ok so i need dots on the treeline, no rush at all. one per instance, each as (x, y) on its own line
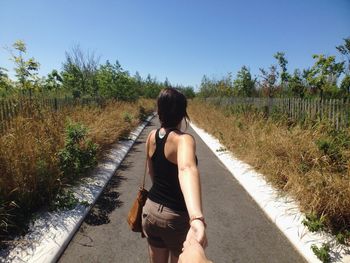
(327, 78)
(82, 76)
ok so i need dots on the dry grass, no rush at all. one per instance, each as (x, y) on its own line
(29, 172)
(288, 156)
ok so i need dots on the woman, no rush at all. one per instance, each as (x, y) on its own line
(173, 210)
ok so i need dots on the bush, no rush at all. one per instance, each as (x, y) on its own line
(79, 154)
(322, 253)
(314, 223)
(142, 113)
(334, 144)
(127, 117)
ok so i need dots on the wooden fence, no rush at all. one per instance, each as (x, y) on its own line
(11, 108)
(335, 111)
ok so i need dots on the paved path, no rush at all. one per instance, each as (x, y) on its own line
(238, 231)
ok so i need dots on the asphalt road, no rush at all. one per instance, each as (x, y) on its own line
(238, 230)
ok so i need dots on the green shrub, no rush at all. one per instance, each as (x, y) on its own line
(65, 200)
(314, 223)
(322, 253)
(343, 236)
(334, 145)
(79, 154)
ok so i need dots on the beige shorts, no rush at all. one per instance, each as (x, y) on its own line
(164, 227)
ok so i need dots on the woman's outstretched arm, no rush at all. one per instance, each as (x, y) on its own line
(191, 186)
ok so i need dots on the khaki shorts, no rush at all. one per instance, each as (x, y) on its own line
(164, 227)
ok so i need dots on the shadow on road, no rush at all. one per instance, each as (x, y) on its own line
(108, 201)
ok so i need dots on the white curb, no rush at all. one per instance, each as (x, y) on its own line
(50, 234)
(283, 211)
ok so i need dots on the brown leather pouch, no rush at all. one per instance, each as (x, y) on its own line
(135, 213)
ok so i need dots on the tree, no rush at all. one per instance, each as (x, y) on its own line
(206, 87)
(268, 84)
(345, 51)
(296, 85)
(139, 83)
(282, 62)
(224, 87)
(124, 86)
(167, 83)
(187, 91)
(114, 82)
(244, 85)
(345, 86)
(79, 72)
(106, 78)
(26, 69)
(4, 80)
(53, 81)
(284, 75)
(151, 88)
(324, 74)
(216, 88)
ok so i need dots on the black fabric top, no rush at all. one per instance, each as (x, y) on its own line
(166, 186)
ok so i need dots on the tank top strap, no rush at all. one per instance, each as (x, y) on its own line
(160, 142)
(167, 134)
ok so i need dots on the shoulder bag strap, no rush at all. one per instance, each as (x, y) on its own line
(146, 161)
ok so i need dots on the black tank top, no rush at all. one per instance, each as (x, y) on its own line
(166, 187)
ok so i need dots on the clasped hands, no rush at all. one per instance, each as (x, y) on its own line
(193, 247)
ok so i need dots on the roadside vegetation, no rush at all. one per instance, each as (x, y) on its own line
(54, 129)
(306, 158)
(42, 155)
(310, 161)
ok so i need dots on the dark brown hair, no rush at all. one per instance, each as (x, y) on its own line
(172, 106)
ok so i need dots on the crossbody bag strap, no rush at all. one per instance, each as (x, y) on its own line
(146, 161)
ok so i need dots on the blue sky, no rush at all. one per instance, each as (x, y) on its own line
(181, 40)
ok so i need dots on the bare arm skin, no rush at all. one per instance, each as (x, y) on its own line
(148, 150)
(189, 175)
(191, 186)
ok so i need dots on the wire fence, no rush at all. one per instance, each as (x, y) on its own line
(336, 111)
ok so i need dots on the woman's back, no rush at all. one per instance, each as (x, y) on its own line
(166, 188)
(170, 146)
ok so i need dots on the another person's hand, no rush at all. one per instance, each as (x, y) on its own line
(193, 252)
(197, 231)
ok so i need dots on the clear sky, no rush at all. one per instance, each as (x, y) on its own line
(178, 39)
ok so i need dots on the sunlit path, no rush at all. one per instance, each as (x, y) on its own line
(238, 231)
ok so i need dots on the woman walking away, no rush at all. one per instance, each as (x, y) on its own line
(173, 211)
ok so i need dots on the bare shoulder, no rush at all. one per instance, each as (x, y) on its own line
(186, 138)
(151, 136)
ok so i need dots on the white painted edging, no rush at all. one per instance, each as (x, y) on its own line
(283, 211)
(51, 233)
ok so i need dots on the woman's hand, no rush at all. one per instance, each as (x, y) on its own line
(197, 232)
